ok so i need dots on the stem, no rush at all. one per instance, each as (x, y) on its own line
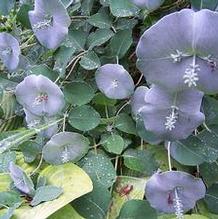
(122, 107)
(168, 153)
(139, 81)
(38, 167)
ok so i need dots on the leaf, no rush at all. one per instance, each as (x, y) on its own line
(5, 159)
(101, 20)
(136, 190)
(123, 8)
(22, 15)
(101, 99)
(100, 169)
(200, 4)
(137, 209)
(126, 23)
(125, 124)
(5, 182)
(84, 118)
(140, 160)
(78, 93)
(67, 212)
(74, 183)
(90, 61)
(197, 149)
(211, 198)
(6, 6)
(95, 204)
(99, 37)
(194, 216)
(113, 144)
(120, 43)
(9, 199)
(46, 193)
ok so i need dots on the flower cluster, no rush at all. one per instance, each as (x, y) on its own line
(41, 99)
(181, 68)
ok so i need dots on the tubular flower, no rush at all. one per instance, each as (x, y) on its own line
(186, 55)
(50, 22)
(114, 81)
(9, 51)
(40, 96)
(174, 192)
(172, 116)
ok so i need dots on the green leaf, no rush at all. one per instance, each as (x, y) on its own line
(46, 193)
(5, 159)
(90, 61)
(113, 144)
(76, 40)
(100, 169)
(99, 37)
(74, 182)
(101, 99)
(137, 209)
(140, 160)
(78, 93)
(5, 182)
(193, 216)
(125, 124)
(126, 23)
(101, 20)
(6, 6)
(84, 118)
(209, 172)
(135, 188)
(200, 4)
(87, 7)
(43, 70)
(120, 43)
(95, 204)
(211, 198)
(123, 8)
(67, 212)
(22, 15)
(9, 199)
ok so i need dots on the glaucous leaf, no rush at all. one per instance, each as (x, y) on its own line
(211, 198)
(5, 159)
(90, 61)
(113, 144)
(64, 147)
(114, 81)
(46, 193)
(166, 190)
(9, 199)
(50, 24)
(148, 4)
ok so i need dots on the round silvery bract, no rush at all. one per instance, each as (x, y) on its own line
(114, 81)
(9, 51)
(50, 22)
(65, 147)
(172, 116)
(148, 4)
(138, 100)
(161, 187)
(180, 51)
(33, 121)
(40, 96)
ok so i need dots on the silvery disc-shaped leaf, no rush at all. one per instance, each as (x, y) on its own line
(178, 51)
(172, 116)
(166, 191)
(138, 100)
(9, 51)
(40, 96)
(148, 4)
(33, 121)
(21, 180)
(50, 22)
(114, 81)
(64, 147)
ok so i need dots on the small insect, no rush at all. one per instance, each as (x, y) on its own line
(125, 190)
(212, 64)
